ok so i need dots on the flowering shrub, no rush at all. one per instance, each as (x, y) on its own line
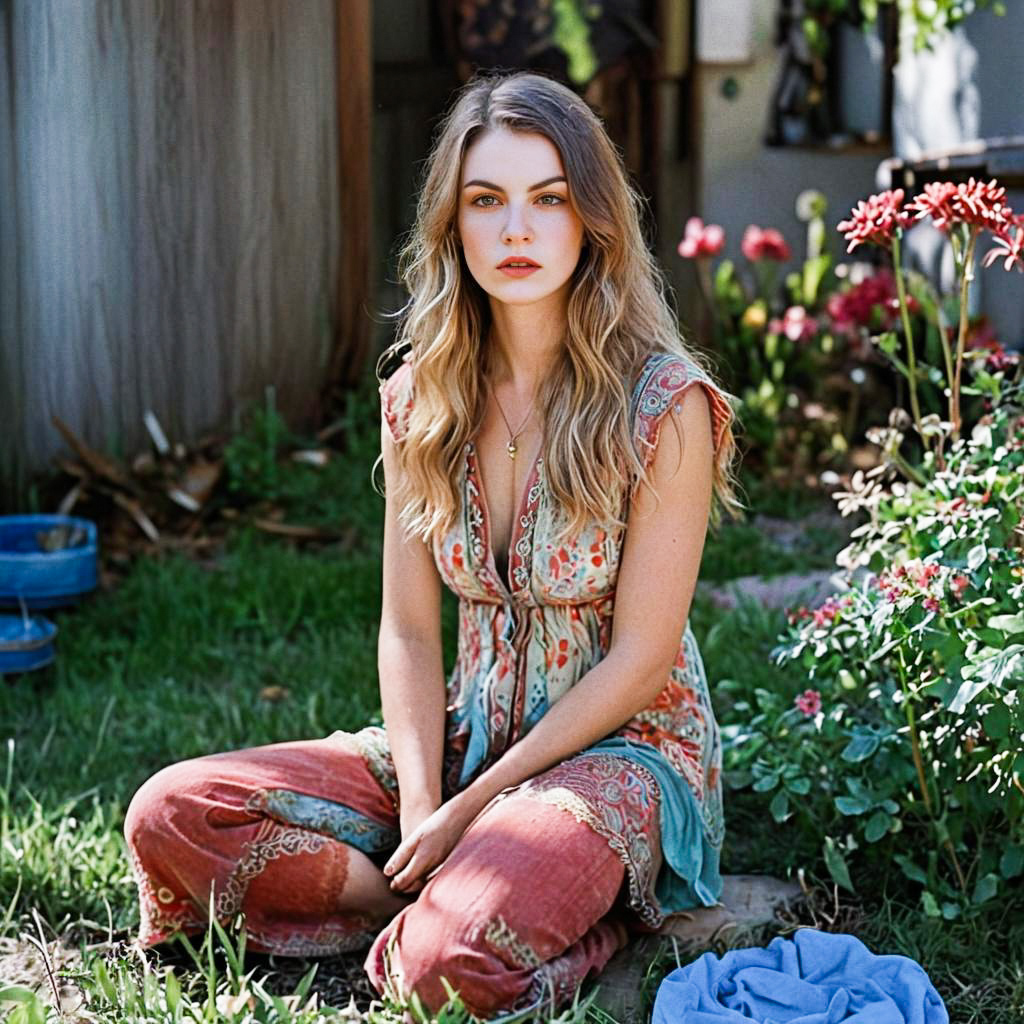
(964, 212)
(908, 749)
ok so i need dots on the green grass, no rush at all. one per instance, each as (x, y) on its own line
(174, 662)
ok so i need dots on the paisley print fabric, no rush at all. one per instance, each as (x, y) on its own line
(521, 649)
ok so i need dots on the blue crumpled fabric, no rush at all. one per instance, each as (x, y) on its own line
(813, 978)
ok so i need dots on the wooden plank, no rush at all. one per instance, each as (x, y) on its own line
(169, 180)
(355, 148)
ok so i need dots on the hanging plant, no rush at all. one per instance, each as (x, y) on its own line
(931, 19)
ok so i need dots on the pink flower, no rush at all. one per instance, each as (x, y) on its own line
(795, 324)
(958, 585)
(809, 702)
(764, 244)
(1009, 248)
(977, 203)
(936, 201)
(872, 304)
(700, 239)
(931, 603)
(828, 612)
(875, 220)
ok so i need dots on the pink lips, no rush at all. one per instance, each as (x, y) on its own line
(506, 266)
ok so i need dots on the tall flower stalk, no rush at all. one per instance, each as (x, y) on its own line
(962, 212)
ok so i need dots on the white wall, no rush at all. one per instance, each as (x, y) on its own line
(743, 181)
(971, 87)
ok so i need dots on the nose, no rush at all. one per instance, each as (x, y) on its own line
(516, 228)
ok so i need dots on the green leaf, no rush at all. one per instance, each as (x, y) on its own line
(950, 911)
(910, 869)
(1008, 623)
(985, 888)
(967, 691)
(766, 782)
(931, 906)
(800, 785)
(997, 721)
(173, 990)
(17, 994)
(860, 747)
(850, 805)
(1012, 862)
(836, 864)
(878, 825)
(779, 807)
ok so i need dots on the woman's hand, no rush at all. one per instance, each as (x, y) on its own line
(414, 813)
(425, 848)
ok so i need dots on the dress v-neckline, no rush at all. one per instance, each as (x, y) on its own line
(531, 477)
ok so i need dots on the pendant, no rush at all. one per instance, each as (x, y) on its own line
(511, 446)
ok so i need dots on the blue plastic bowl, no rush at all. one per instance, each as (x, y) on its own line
(40, 578)
(25, 645)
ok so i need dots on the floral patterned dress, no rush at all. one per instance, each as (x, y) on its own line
(520, 648)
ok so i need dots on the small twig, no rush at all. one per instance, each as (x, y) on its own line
(40, 944)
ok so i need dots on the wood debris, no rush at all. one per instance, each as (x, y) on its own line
(171, 497)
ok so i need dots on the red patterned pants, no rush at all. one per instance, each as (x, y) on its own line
(525, 907)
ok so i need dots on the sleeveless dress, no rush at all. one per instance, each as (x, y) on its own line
(519, 650)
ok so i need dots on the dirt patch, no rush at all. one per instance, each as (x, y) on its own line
(22, 964)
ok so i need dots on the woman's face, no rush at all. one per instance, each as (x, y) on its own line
(514, 206)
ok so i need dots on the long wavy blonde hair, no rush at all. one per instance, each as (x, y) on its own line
(618, 315)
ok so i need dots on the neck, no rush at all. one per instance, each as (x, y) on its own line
(525, 343)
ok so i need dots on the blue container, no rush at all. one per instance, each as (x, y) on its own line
(25, 644)
(40, 578)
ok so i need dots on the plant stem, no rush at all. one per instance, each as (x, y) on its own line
(915, 745)
(961, 339)
(901, 291)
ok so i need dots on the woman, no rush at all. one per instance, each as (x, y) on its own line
(507, 824)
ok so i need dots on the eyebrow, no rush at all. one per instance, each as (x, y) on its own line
(498, 188)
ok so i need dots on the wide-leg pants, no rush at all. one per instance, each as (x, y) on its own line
(525, 907)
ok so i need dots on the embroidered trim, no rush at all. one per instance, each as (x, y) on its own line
(371, 743)
(326, 941)
(334, 819)
(605, 810)
(272, 841)
(502, 939)
(156, 920)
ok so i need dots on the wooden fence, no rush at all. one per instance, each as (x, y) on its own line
(169, 220)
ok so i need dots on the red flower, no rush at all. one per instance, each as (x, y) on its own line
(875, 220)
(764, 244)
(958, 585)
(809, 702)
(1009, 248)
(871, 304)
(797, 615)
(700, 239)
(931, 603)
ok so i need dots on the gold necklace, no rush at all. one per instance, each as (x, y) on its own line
(511, 447)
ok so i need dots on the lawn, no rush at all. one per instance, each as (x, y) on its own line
(263, 640)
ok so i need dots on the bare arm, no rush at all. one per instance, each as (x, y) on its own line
(409, 661)
(655, 585)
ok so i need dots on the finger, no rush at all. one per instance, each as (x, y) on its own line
(413, 873)
(401, 856)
